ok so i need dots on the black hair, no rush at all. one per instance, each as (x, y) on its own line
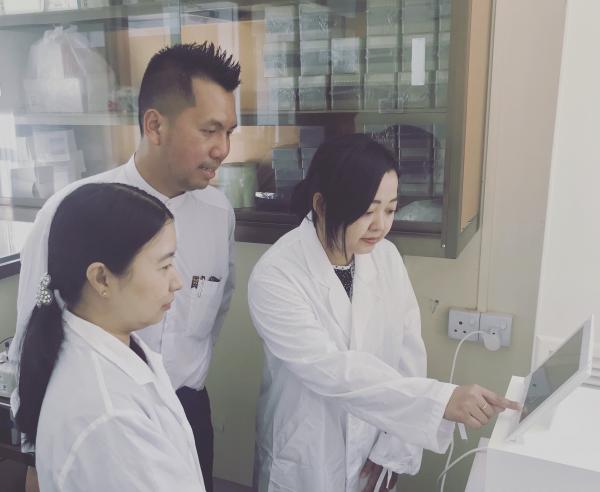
(98, 222)
(167, 81)
(347, 171)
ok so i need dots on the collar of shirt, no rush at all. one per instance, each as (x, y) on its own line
(135, 178)
(111, 348)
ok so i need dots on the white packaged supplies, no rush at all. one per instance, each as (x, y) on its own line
(66, 75)
(54, 145)
(22, 6)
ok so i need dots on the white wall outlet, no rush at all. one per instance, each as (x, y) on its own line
(462, 322)
(497, 323)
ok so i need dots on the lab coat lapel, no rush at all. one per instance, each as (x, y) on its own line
(340, 308)
(167, 395)
(163, 383)
(365, 297)
(328, 283)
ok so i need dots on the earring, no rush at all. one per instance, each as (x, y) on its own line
(104, 293)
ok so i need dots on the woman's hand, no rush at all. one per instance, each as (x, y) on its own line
(475, 406)
(371, 471)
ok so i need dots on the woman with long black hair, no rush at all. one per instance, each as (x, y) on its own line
(345, 403)
(94, 400)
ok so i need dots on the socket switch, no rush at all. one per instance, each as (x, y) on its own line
(462, 322)
(497, 323)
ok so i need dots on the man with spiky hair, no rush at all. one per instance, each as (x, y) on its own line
(186, 117)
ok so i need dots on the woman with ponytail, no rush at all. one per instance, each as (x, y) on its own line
(94, 400)
(345, 404)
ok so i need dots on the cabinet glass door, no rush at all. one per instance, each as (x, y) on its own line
(68, 95)
(315, 70)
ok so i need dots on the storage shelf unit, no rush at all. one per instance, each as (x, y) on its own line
(127, 35)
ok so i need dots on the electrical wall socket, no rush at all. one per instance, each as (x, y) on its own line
(461, 322)
(497, 323)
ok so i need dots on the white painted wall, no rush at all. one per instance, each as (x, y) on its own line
(570, 276)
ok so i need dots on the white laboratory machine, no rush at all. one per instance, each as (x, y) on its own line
(553, 444)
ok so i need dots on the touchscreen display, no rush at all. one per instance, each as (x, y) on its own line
(561, 365)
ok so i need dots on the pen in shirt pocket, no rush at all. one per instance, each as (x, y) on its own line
(199, 282)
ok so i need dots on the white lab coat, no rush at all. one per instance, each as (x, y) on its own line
(342, 381)
(111, 422)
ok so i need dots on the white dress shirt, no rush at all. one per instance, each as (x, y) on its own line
(204, 222)
(110, 421)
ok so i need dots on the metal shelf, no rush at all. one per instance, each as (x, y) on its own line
(84, 15)
(287, 118)
(76, 119)
(290, 118)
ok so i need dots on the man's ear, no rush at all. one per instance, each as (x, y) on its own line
(154, 125)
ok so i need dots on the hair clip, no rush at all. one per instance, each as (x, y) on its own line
(44, 296)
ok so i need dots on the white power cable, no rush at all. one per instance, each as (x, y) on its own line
(451, 450)
(461, 457)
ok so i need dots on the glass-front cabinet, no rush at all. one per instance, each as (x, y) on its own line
(411, 73)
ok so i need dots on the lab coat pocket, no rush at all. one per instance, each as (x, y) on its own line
(295, 441)
(204, 305)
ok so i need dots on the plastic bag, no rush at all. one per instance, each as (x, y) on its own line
(65, 74)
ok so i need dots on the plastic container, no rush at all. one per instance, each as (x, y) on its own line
(441, 89)
(22, 6)
(317, 22)
(416, 172)
(380, 91)
(346, 55)
(307, 154)
(286, 157)
(416, 178)
(385, 135)
(444, 15)
(238, 181)
(415, 148)
(283, 174)
(438, 170)
(383, 17)
(415, 142)
(281, 60)
(283, 93)
(419, 18)
(382, 54)
(421, 211)
(443, 52)
(409, 55)
(313, 92)
(346, 92)
(412, 96)
(315, 57)
(280, 24)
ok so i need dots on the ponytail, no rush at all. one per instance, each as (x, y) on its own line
(39, 353)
